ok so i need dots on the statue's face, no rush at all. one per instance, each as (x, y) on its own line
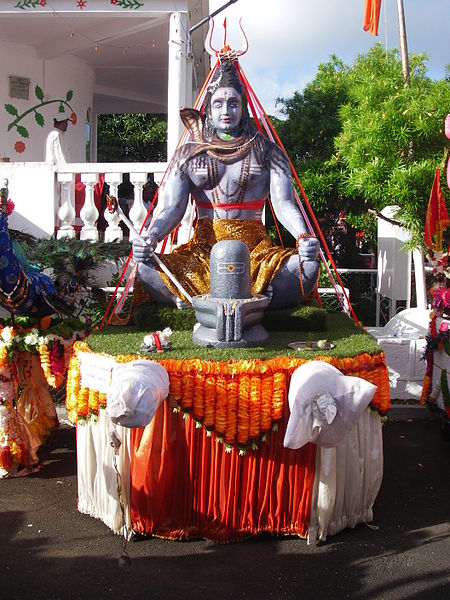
(226, 111)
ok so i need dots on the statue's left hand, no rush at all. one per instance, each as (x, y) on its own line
(308, 248)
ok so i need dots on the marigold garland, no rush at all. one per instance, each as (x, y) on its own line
(187, 399)
(243, 411)
(221, 406)
(53, 349)
(255, 408)
(46, 364)
(232, 411)
(3, 355)
(93, 402)
(210, 402)
(239, 400)
(12, 451)
(13, 436)
(266, 403)
(199, 393)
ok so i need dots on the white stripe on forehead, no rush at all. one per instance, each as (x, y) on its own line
(225, 93)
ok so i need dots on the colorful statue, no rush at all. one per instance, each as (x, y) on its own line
(23, 289)
(230, 169)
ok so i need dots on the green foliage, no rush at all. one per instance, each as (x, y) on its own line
(392, 136)
(361, 139)
(309, 132)
(72, 265)
(132, 138)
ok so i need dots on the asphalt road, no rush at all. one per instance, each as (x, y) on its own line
(48, 550)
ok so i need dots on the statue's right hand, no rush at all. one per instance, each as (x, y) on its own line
(143, 249)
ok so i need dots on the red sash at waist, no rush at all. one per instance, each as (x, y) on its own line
(247, 205)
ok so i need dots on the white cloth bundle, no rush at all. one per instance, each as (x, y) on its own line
(137, 389)
(324, 405)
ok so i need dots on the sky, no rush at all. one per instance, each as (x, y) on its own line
(288, 39)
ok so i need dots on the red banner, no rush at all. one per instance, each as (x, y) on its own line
(371, 16)
(437, 215)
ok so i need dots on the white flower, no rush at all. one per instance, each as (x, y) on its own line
(7, 336)
(32, 338)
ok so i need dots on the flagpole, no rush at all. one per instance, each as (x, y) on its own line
(403, 44)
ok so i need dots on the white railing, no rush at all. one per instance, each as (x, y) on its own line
(89, 213)
(44, 197)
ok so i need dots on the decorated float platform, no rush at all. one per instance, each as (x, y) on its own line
(212, 462)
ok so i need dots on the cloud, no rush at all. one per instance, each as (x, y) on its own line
(288, 39)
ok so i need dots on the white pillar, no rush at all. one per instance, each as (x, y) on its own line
(419, 275)
(66, 212)
(180, 81)
(176, 98)
(89, 212)
(138, 212)
(113, 232)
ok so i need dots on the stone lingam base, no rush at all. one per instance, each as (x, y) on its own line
(231, 323)
(230, 315)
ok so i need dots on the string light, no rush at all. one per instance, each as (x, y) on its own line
(72, 33)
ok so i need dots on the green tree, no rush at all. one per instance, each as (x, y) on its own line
(360, 139)
(392, 136)
(308, 133)
(132, 138)
(310, 128)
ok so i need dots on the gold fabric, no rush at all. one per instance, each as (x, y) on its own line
(190, 262)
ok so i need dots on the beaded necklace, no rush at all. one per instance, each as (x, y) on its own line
(218, 193)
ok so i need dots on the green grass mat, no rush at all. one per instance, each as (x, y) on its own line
(298, 325)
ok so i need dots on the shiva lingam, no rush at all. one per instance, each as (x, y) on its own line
(230, 315)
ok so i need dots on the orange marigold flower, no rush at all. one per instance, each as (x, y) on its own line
(19, 147)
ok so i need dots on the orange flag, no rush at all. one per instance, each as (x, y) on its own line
(437, 215)
(371, 16)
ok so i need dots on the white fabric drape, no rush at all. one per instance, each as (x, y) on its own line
(97, 480)
(347, 479)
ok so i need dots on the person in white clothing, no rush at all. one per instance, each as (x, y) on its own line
(56, 150)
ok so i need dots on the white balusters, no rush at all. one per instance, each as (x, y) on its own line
(113, 231)
(89, 212)
(138, 211)
(66, 212)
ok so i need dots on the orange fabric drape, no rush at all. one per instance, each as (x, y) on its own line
(185, 484)
(371, 16)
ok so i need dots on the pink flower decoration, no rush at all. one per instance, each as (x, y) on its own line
(9, 206)
(57, 358)
(444, 327)
(446, 296)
